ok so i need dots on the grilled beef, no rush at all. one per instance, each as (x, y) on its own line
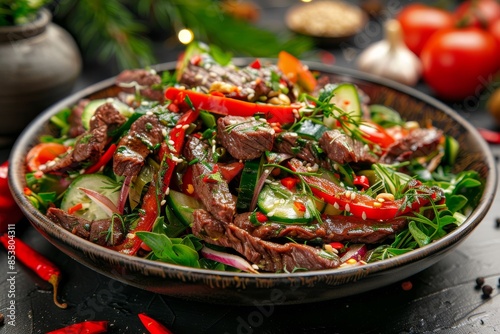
(211, 188)
(248, 84)
(418, 143)
(342, 149)
(144, 136)
(305, 149)
(102, 232)
(245, 137)
(146, 83)
(89, 146)
(269, 256)
(75, 119)
(333, 228)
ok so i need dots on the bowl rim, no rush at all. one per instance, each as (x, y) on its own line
(25, 141)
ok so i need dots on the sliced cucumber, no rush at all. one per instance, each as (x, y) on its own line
(249, 177)
(451, 148)
(92, 106)
(282, 205)
(91, 210)
(345, 97)
(310, 129)
(183, 206)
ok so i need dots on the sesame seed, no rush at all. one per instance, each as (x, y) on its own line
(164, 132)
(171, 142)
(149, 113)
(353, 196)
(336, 205)
(185, 126)
(178, 126)
(347, 207)
(162, 203)
(363, 215)
(167, 191)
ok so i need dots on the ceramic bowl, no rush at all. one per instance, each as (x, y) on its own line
(251, 289)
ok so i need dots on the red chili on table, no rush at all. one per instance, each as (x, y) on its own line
(85, 327)
(35, 261)
(9, 211)
(153, 326)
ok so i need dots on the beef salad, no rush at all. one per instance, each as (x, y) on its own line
(263, 168)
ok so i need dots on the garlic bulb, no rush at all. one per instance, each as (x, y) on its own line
(391, 58)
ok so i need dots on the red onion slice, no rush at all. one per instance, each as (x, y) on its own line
(229, 259)
(356, 252)
(102, 201)
(124, 193)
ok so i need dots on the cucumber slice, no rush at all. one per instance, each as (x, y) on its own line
(345, 97)
(249, 177)
(183, 206)
(92, 106)
(451, 148)
(97, 182)
(310, 129)
(282, 205)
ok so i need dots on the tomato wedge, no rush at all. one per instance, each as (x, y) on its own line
(296, 71)
(42, 153)
(375, 134)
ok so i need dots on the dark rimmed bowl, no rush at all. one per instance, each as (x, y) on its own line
(251, 289)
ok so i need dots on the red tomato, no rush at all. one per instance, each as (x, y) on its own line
(296, 71)
(419, 22)
(494, 30)
(375, 134)
(478, 13)
(42, 153)
(458, 63)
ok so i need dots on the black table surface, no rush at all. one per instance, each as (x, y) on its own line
(443, 298)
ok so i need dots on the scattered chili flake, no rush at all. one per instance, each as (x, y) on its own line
(480, 281)
(75, 208)
(406, 285)
(487, 290)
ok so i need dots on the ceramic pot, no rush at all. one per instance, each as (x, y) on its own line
(39, 63)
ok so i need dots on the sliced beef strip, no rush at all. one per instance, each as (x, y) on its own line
(107, 115)
(418, 143)
(216, 195)
(96, 231)
(145, 134)
(89, 146)
(75, 119)
(304, 149)
(334, 228)
(269, 256)
(343, 149)
(146, 82)
(248, 84)
(245, 138)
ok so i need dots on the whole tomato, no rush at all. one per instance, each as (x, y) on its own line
(420, 21)
(478, 13)
(457, 63)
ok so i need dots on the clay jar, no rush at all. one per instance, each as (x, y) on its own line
(39, 63)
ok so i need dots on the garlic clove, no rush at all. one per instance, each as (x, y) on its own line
(390, 58)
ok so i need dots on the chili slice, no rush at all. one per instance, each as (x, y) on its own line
(359, 205)
(227, 106)
(35, 261)
(103, 160)
(152, 325)
(85, 327)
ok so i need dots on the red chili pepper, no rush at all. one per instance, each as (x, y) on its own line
(35, 261)
(255, 64)
(337, 245)
(227, 106)
(299, 206)
(261, 218)
(376, 134)
(85, 327)
(150, 201)
(230, 170)
(105, 158)
(75, 208)
(289, 182)
(491, 137)
(361, 205)
(10, 213)
(153, 326)
(361, 180)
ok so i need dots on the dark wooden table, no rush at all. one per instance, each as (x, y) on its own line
(444, 298)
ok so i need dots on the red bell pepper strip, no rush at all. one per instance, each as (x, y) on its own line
(153, 326)
(151, 198)
(35, 261)
(360, 205)
(362, 181)
(10, 213)
(103, 160)
(85, 327)
(231, 107)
